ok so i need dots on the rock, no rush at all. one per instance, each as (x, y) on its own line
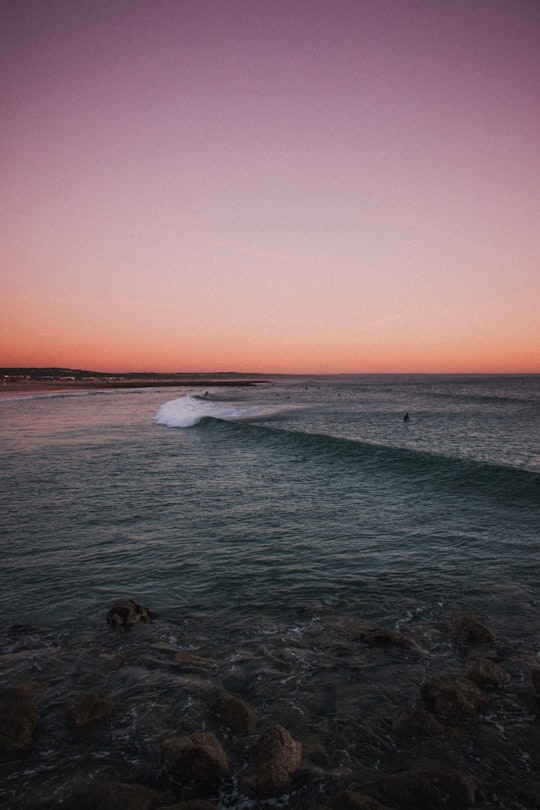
(90, 708)
(343, 649)
(194, 804)
(277, 755)
(127, 612)
(529, 795)
(470, 630)
(19, 719)
(413, 721)
(351, 800)
(113, 796)
(485, 671)
(502, 745)
(536, 679)
(454, 698)
(197, 763)
(424, 790)
(187, 659)
(380, 637)
(229, 710)
(110, 663)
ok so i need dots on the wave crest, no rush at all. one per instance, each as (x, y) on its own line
(190, 410)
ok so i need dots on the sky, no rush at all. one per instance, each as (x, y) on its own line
(275, 186)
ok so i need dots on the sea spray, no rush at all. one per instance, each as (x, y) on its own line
(188, 411)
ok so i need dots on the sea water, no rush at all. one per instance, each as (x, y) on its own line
(256, 521)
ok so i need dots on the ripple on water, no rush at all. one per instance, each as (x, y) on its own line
(334, 686)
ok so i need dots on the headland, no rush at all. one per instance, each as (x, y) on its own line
(43, 380)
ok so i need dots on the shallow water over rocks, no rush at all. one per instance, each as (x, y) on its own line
(337, 684)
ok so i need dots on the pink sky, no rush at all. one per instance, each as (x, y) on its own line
(338, 186)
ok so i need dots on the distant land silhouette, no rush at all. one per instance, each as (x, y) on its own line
(49, 377)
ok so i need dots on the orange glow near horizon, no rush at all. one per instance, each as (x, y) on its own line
(237, 189)
(275, 359)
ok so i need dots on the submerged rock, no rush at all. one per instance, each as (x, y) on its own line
(536, 679)
(229, 710)
(424, 790)
(19, 719)
(485, 671)
(352, 800)
(277, 756)
(382, 637)
(192, 804)
(112, 796)
(127, 612)
(529, 795)
(90, 708)
(197, 763)
(187, 660)
(412, 721)
(454, 698)
(469, 630)
(190, 661)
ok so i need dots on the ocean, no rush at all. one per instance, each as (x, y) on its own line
(263, 525)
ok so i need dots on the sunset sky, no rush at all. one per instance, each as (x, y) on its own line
(270, 185)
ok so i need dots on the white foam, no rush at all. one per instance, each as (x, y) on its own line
(189, 410)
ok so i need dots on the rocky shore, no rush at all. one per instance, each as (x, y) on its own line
(469, 735)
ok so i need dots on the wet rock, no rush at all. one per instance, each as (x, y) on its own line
(502, 745)
(424, 790)
(197, 763)
(229, 710)
(485, 671)
(454, 698)
(351, 800)
(186, 659)
(467, 629)
(412, 721)
(277, 756)
(193, 804)
(110, 663)
(90, 708)
(536, 679)
(113, 796)
(127, 612)
(19, 719)
(529, 795)
(381, 637)
(189, 661)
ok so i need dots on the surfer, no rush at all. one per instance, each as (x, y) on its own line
(406, 417)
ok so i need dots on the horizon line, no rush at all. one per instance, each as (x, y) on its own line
(7, 370)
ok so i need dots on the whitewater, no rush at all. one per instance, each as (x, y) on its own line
(189, 410)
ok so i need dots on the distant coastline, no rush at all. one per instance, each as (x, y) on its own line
(43, 380)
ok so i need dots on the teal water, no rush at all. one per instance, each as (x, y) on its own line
(258, 523)
(294, 490)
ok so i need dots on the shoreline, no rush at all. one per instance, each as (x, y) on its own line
(58, 386)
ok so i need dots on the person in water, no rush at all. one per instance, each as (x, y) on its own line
(406, 417)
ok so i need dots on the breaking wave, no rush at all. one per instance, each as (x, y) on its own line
(190, 410)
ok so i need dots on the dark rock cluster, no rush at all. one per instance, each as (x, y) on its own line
(19, 719)
(127, 612)
(239, 744)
